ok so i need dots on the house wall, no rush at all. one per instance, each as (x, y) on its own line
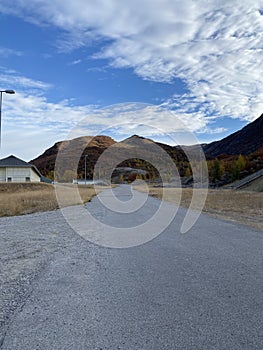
(2, 175)
(34, 176)
(18, 175)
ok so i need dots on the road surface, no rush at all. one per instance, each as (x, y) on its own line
(197, 291)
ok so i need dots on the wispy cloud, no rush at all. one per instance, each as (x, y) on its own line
(31, 123)
(215, 47)
(6, 52)
(74, 63)
(32, 120)
(12, 78)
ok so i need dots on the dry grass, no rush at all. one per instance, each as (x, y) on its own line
(244, 207)
(240, 206)
(19, 199)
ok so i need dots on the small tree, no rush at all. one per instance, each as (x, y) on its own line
(188, 172)
(216, 170)
(241, 162)
(238, 166)
(68, 176)
(50, 175)
(235, 172)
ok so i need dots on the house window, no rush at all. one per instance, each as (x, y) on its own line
(27, 179)
(9, 179)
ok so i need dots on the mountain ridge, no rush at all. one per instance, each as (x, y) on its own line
(246, 141)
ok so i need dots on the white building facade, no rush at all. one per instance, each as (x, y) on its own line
(13, 169)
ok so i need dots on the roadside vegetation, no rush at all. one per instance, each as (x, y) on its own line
(245, 207)
(227, 169)
(25, 198)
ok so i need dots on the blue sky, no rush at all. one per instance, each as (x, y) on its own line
(124, 67)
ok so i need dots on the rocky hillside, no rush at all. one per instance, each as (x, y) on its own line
(92, 146)
(223, 159)
(245, 141)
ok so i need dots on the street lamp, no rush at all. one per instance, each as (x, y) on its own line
(1, 98)
(86, 169)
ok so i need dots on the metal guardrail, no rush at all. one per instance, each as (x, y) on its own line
(248, 179)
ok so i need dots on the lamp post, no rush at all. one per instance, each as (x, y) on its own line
(86, 169)
(201, 169)
(1, 98)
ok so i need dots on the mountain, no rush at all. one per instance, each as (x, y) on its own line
(126, 153)
(245, 141)
(93, 146)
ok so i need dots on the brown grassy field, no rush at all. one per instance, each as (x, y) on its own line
(240, 206)
(244, 207)
(19, 199)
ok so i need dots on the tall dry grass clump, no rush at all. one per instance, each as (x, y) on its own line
(25, 198)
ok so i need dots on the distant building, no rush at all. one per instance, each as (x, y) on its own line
(13, 169)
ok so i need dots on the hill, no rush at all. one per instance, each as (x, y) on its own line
(93, 147)
(244, 141)
(223, 159)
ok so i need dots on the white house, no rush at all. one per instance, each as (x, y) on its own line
(13, 169)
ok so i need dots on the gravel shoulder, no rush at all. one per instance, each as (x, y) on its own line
(27, 244)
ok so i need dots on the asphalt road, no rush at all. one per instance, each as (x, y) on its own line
(197, 291)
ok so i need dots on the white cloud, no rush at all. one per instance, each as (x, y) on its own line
(6, 52)
(31, 123)
(73, 63)
(10, 78)
(215, 47)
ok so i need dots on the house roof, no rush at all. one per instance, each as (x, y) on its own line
(15, 162)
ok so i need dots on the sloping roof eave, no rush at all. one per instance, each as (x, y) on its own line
(36, 170)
